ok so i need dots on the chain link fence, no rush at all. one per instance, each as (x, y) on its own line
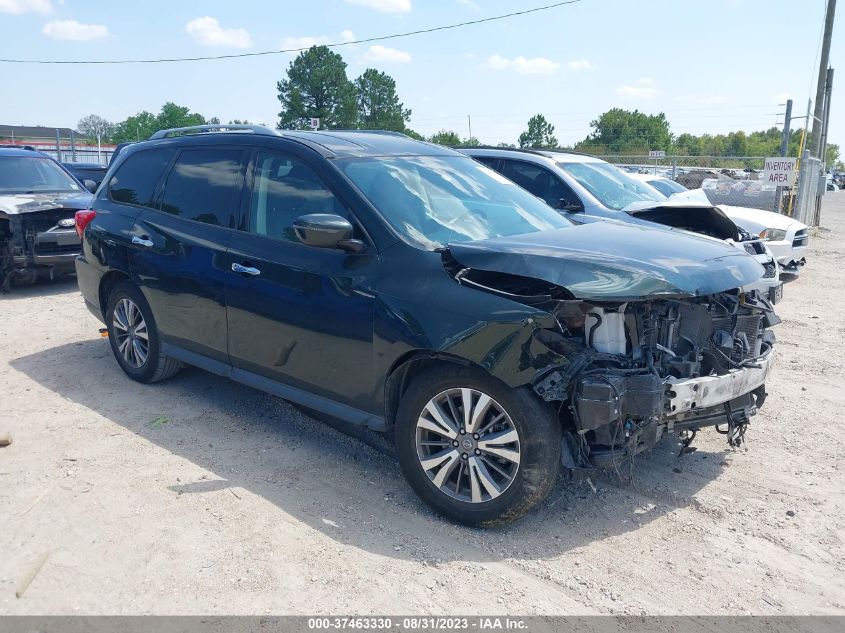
(736, 181)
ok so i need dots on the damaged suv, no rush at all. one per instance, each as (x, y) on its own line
(38, 200)
(404, 287)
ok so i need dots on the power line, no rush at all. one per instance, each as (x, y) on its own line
(291, 50)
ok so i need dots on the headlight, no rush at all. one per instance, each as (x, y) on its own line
(773, 235)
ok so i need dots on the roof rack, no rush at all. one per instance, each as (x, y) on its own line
(213, 128)
(527, 150)
(384, 132)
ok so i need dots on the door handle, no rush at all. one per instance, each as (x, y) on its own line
(141, 241)
(246, 270)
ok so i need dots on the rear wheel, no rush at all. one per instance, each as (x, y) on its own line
(474, 449)
(134, 338)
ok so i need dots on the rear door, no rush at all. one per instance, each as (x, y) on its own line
(298, 314)
(182, 245)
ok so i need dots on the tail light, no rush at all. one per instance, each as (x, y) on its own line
(83, 219)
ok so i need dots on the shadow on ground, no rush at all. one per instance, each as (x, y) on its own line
(42, 288)
(338, 485)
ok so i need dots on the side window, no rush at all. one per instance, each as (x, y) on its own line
(490, 161)
(539, 181)
(204, 185)
(136, 179)
(286, 188)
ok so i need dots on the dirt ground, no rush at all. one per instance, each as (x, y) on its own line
(200, 496)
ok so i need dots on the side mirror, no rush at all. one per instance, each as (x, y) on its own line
(570, 207)
(90, 185)
(326, 230)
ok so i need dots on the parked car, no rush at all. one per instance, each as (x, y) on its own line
(785, 237)
(403, 286)
(586, 188)
(87, 171)
(38, 199)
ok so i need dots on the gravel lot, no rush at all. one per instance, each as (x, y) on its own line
(200, 496)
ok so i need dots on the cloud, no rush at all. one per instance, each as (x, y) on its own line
(19, 7)
(74, 31)
(579, 64)
(702, 99)
(308, 41)
(384, 6)
(208, 32)
(781, 98)
(523, 65)
(384, 54)
(642, 88)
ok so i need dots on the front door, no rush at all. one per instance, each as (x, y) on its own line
(299, 314)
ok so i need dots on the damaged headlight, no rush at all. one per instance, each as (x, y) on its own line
(773, 235)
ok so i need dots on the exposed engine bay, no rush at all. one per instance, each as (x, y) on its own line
(641, 368)
(36, 243)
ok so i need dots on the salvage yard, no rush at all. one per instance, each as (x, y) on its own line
(201, 496)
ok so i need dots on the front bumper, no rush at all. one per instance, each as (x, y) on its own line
(688, 394)
(56, 248)
(791, 252)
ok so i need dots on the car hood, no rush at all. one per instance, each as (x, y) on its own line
(756, 220)
(615, 262)
(17, 203)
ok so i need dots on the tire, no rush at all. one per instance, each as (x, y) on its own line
(517, 487)
(156, 365)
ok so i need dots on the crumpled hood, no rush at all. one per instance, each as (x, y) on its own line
(14, 204)
(615, 262)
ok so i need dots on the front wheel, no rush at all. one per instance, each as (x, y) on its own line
(474, 449)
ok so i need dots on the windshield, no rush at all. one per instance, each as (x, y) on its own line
(31, 174)
(610, 186)
(667, 187)
(435, 200)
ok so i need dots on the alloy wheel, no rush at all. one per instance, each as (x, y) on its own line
(467, 445)
(130, 331)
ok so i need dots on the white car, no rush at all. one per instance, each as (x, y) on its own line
(785, 237)
(588, 189)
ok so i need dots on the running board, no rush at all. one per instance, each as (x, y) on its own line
(293, 394)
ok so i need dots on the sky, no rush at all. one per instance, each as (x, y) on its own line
(712, 66)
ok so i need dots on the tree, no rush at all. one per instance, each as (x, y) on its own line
(831, 155)
(142, 125)
(619, 131)
(379, 107)
(317, 86)
(173, 115)
(95, 126)
(138, 127)
(445, 137)
(540, 133)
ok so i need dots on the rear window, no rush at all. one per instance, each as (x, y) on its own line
(203, 184)
(136, 179)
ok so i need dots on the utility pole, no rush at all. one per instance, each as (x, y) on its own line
(469, 123)
(818, 113)
(787, 121)
(828, 91)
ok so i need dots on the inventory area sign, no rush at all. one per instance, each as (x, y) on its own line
(779, 171)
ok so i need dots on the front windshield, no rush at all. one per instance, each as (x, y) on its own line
(667, 187)
(610, 186)
(31, 174)
(435, 200)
